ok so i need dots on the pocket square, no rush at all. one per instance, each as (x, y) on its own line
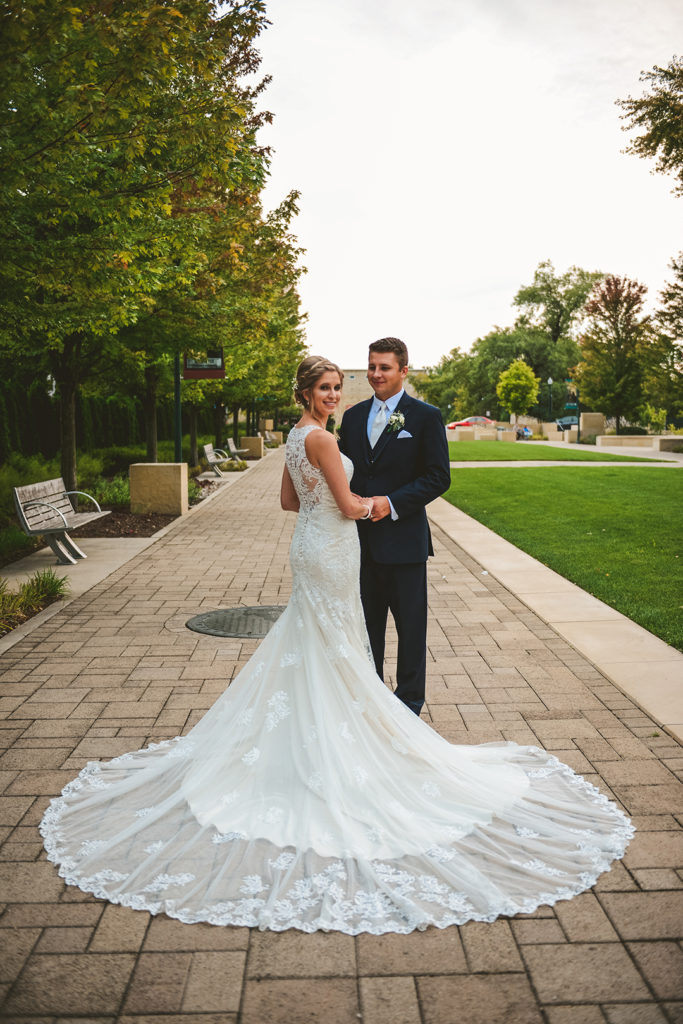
(404, 433)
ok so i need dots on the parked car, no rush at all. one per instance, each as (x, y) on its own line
(471, 421)
(565, 422)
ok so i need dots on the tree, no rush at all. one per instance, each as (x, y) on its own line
(478, 375)
(517, 388)
(658, 114)
(670, 315)
(615, 349)
(106, 110)
(543, 336)
(664, 380)
(555, 303)
(441, 385)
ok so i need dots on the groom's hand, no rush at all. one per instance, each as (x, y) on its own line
(380, 508)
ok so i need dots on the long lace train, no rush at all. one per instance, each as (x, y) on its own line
(309, 797)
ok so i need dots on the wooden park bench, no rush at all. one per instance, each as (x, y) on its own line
(45, 510)
(214, 456)
(236, 452)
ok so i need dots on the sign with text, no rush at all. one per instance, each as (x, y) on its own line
(206, 367)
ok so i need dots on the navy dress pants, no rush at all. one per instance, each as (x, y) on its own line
(401, 589)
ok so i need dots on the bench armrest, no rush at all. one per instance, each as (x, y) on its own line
(85, 495)
(219, 451)
(46, 504)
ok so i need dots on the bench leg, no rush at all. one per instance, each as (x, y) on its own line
(71, 546)
(63, 557)
(217, 471)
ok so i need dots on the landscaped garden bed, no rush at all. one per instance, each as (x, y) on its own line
(39, 591)
(104, 475)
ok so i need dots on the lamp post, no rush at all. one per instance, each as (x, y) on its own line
(177, 414)
(550, 397)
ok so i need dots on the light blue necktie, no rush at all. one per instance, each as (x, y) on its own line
(379, 424)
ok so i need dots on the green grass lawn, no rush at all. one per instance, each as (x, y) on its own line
(508, 451)
(616, 533)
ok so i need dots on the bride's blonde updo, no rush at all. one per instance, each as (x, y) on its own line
(308, 372)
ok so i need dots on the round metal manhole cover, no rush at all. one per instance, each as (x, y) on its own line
(242, 622)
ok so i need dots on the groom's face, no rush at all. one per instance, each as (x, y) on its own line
(385, 376)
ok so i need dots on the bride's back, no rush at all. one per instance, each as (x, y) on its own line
(309, 481)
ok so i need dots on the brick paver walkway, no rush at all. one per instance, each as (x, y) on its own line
(117, 668)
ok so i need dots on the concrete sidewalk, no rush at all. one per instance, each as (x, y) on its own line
(645, 668)
(117, 668)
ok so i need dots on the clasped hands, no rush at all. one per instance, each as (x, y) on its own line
(380, 506)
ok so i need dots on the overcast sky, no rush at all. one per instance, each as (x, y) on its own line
(444, 148)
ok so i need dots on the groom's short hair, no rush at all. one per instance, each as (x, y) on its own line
(395, 345)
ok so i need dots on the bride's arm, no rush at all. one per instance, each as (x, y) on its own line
(289, 499)
(322, 451)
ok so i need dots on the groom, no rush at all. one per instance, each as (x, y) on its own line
(400, 457)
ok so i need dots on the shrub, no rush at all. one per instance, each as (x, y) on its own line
(20, 470)
(118, 458)
(655, 418)
(90, 468)
(36, 593)
(114, 493)
(11, 613)
(14, 543)
(588, 439)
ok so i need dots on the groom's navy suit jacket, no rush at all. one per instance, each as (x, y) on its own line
(410, 471)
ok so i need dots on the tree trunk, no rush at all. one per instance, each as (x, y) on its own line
(218, 424)
(149, 404)
(236, 424)
(194, 451)
(64, 371)
(67, 430)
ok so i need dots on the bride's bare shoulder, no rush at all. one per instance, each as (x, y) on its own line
(319, 443)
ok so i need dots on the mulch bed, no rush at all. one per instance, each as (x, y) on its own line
(129, 524)
(124, 524)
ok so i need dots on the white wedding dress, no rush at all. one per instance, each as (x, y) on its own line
(309, 797)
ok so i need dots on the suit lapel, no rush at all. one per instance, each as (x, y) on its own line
(387, 434)
(366, 405)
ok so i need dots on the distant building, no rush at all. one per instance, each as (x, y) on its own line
(356, 387)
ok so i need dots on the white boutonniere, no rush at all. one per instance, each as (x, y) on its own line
(395, 422)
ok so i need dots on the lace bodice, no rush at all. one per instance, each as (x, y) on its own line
(309, 481)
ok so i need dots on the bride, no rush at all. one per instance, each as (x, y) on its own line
(308, 796)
